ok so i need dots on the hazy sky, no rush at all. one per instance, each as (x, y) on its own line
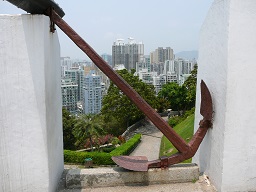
(162, 23)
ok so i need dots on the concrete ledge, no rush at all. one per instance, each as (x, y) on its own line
(108, 177)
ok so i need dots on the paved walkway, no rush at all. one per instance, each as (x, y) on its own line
(150, 142)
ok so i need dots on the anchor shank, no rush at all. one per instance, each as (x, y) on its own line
(163, 126)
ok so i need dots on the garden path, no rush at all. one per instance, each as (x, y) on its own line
(150, 141)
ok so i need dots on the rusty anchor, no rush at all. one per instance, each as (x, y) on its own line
(140, 163)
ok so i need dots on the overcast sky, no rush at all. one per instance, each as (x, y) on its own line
(162, 23)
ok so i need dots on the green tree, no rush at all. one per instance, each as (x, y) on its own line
(87, 127)
(175, 94)
(163, 104)
(68, 122)
(190, 86)
(180, 98)
(116, 106)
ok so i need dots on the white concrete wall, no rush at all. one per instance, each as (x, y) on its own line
(227, 55)
(31, 147)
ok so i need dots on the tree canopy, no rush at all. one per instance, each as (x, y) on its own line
(118, 108)
(180, 98)
(190, 86)
(68, 122)
(87, 127)
(175, 94)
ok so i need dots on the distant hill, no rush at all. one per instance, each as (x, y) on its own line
(187, 55)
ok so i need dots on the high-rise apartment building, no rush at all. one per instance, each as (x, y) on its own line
(107, 58)
(157, 67)
(77, 76)
(118, 52)
(69, 91)
(142, 66)
(146, 77)
(104, 79)
(158, 74)
(127, 54)
(160, 55)
(188, 66)
(92, 93)
(178, 70)
(158, 82)
(65, 65)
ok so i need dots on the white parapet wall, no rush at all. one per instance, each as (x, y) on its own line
(112, 177)
(31, 144)
(227, 56)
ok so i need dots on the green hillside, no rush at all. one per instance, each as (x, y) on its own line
(185, 129)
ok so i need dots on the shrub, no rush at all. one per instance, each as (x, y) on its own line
(108, 149)
(115, 141)
(189, 112)
(99, 158)
(127, 147)
(98, 141)
(102, 158)
(173, 121)
(121, 139)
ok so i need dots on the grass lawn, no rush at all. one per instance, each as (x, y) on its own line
(185, 129)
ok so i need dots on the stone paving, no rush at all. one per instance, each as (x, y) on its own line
(150, 142)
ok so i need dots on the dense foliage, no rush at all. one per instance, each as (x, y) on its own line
(173, 121)
(87, 127)
(190, 87)
(99, 158)
(179, 98)
(175, 94)
(68, 122)
(87, 131)
(118, 111)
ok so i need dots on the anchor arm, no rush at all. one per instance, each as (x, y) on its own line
(199, 135)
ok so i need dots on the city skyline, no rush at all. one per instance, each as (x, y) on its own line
(174, 23)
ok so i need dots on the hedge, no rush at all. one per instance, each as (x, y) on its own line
(102, 158)
(127, 147)
(99, 158)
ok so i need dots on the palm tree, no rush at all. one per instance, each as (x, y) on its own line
(87, 127)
